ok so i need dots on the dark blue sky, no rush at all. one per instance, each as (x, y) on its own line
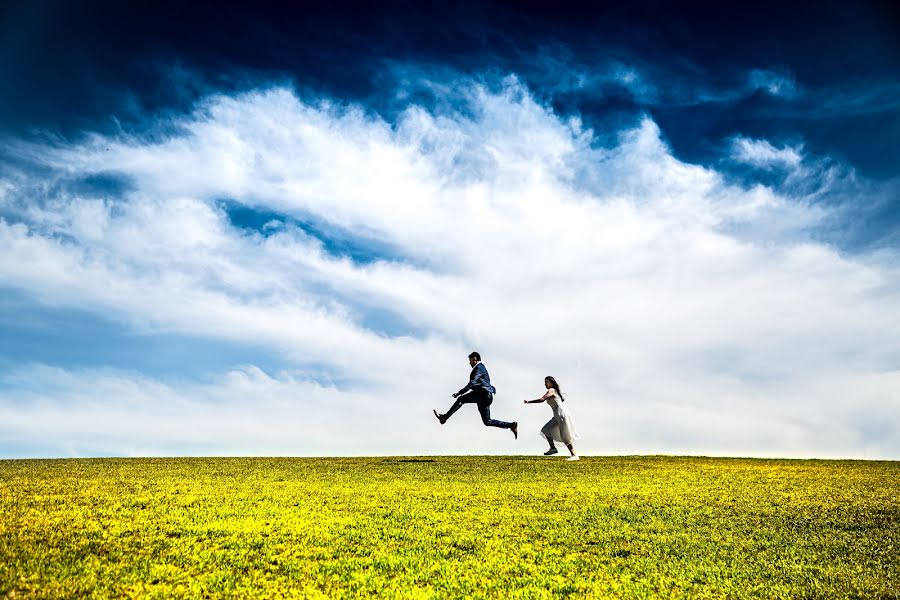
(69, 66)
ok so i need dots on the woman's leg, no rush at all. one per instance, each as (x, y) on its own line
(547, 431)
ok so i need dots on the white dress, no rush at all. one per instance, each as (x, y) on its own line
(561, 427)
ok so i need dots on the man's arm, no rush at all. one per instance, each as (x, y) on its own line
(464, 390)
(473, 380)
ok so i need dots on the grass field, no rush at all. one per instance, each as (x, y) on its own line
(450, 527)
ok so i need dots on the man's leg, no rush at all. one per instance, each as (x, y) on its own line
(484, 408)
(464, 399)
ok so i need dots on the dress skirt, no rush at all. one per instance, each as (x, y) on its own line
(561, 428)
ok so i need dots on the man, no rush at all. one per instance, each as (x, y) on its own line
(479, 391)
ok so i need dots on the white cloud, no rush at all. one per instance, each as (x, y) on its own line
(111, 412)
(618, 270)
(761, 153)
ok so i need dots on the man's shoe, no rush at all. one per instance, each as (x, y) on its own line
(551, 452)
(515, 429)
(440, 417)
(573, 458)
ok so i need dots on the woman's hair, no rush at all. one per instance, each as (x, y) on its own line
(555, 386)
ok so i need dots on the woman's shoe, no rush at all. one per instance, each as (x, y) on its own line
(551, 452)
(575, 457)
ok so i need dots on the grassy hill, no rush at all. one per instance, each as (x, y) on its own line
(450, 527)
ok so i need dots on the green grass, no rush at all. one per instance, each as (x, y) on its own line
(450, 527)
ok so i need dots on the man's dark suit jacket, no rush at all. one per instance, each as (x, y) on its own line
(479, 380)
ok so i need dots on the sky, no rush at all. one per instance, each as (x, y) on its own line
(257, 230)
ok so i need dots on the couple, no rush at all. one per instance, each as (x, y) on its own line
(479, 390)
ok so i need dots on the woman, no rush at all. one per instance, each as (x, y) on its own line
(561, 427)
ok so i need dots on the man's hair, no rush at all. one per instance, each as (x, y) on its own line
(476, 356)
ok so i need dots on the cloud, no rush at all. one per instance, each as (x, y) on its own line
(683, 312)
(774, 83)
(124, 413)
(762, 154)
(598, 79)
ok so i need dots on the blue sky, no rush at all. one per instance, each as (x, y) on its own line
(233, 230)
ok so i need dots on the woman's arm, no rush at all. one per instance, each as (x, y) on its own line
(542, 398)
